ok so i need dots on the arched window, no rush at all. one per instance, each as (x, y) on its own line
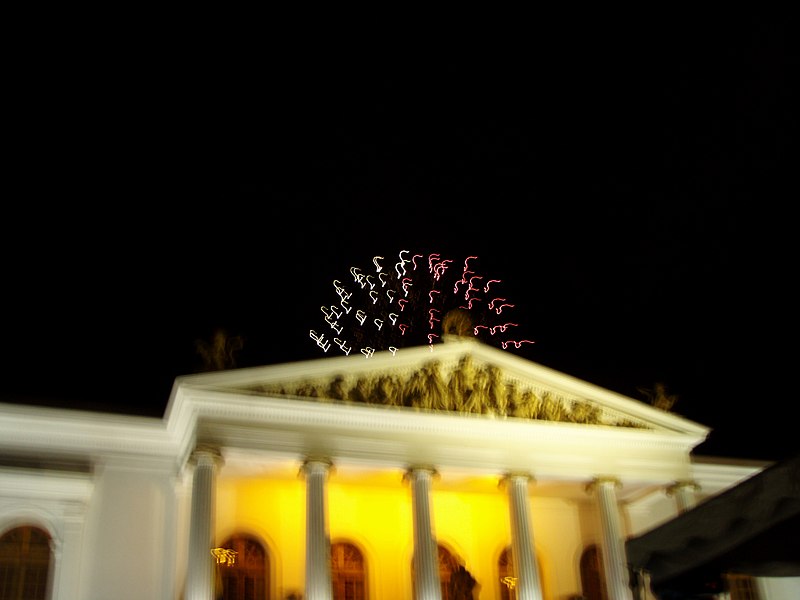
(24, 564)
(348, 572)
(592, 580)
(247, 577)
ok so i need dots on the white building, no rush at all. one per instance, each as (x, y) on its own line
(399, 476)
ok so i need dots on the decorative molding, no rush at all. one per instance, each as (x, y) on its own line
(462, 387)
(46, 485)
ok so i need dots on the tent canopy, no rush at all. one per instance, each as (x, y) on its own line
(752, 529)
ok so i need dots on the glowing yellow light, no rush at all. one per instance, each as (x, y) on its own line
(510, 582)
(224, 556)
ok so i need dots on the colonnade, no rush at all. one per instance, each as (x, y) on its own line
(199, 581)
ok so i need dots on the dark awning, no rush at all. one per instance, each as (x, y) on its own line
(753, 529)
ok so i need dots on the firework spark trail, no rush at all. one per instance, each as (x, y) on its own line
(433, 319)
(490, 282)
(499, 309)
(517, 344)
(496, 328)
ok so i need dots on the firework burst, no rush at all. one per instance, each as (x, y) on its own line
(413, 299)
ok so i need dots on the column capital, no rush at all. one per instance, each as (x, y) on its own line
(512, 475)
(312, 462)
(682, 484)
(206, 453)
(602, 482)
(411, 469)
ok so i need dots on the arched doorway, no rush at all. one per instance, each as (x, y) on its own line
(455, 580)
(508, 581)
(507, 577)
(248, 577)
(348, 572)
(592, 579)
(448, 564)
(25, 558)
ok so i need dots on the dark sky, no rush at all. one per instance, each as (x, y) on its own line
(634, 192)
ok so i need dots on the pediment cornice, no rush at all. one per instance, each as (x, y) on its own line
(461, 377)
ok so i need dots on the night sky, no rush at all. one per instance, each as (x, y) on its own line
(633, 192)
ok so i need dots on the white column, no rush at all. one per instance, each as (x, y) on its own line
(684, 492)
(426, 550)
(318, 545)
(200, 572)
(615, 562)
(528, 586)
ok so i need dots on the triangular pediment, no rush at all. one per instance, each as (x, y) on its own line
(460, 376)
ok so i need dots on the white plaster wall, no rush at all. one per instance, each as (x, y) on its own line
(131, 536)
(183, 505)
(557, 538)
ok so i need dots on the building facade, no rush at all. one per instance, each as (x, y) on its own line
(445, 472)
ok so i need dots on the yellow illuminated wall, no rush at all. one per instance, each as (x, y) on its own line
(376, 515)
